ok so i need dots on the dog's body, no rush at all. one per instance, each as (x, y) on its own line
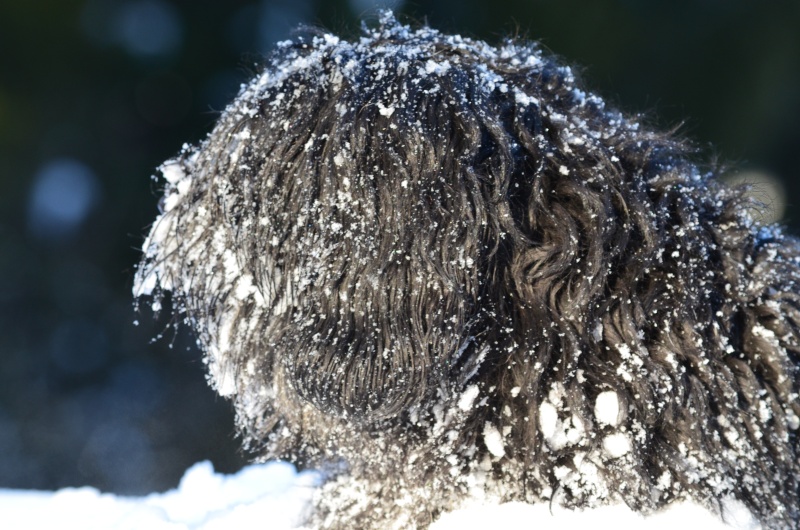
(438, 269)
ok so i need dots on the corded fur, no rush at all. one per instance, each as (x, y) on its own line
(416, 261)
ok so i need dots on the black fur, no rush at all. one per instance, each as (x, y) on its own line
(404, 255)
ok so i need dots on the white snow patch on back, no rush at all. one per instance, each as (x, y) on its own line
(468, 397)
(385, 111)
(548, 418)
(493, 440)
(606, 408)
(617, 444)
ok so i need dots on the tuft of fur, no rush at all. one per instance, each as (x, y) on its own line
(440, 270)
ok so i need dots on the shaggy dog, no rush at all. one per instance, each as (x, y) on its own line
(439, 270)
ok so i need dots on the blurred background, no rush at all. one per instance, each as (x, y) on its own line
(94, 94)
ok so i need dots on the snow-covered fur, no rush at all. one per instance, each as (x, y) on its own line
(438, 269)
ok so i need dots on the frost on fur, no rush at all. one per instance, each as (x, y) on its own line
(440, 270)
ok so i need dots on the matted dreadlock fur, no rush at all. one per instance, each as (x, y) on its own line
(439, 270)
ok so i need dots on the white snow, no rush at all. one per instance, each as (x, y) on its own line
(173, 172)
(432, 67)
(617, 444)
(606, 408)
(468, 397)
(493, 440)
(204, 500)
(274, 496)
(385, 111)
(524, 99)
(617, 517)
(548, 418)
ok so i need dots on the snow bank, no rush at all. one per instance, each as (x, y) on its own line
(522, 516)
(270, 496)
(273, 496)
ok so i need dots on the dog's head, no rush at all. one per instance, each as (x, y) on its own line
(367, 219)
(414, 218)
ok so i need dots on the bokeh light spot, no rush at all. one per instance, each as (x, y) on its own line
(766, 189)
(149, 28)
(63, 194)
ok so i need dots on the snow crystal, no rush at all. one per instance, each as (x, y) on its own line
(432, 67)
(173, 172)
(793, 421)
(147, 284)
(606, 408)
(385, 111)
(617, 445)
(468, 397)
(597, 332)
(493, 440)
(524, 99)
(244, 287)
(548, 419)
(761, 331)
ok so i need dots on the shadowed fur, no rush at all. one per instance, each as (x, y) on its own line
(417, 262)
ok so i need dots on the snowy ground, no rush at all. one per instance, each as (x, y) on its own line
(273, 496)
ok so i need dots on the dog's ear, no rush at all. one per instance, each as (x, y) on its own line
(578, 238)
(580, 230)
